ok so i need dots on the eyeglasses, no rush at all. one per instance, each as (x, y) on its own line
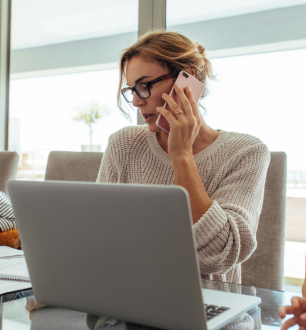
(143, 89)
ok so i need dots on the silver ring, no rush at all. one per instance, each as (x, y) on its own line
(178, 112)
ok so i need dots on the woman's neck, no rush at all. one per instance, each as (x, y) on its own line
(205, 138)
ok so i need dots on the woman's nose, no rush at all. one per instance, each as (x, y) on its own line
(137, 101)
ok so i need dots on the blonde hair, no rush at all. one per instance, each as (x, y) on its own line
(171, 50)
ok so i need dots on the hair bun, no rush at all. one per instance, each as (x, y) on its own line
(201, 49)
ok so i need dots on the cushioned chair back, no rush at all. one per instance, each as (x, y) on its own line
(265, 268)
(8, 168)
(73, 166)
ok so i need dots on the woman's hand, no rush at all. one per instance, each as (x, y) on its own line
(32, 305)
(298, 309)
(186, 126)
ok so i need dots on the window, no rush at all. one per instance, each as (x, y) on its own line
(64, 57)
(258, 94)
(42, 111)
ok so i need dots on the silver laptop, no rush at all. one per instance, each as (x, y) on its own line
(118, 250)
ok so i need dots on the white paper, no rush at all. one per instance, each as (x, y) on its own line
(7, 251)
(9, 286)
(14, 266)
(20, 270)
(9, 263)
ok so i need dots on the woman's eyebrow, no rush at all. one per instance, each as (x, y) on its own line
(139, 79)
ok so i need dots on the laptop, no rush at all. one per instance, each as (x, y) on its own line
(124, 251)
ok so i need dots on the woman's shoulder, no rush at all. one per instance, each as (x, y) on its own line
(245, 144)
(240, 140)
(129, 132)
(125, 137)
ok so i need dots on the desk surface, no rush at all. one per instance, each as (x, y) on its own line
(13, 315)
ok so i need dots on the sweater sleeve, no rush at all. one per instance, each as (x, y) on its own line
(108, 172)
(115, 161)
(7, 217)
(226, 234)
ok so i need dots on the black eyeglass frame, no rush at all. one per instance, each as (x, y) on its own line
(172, 74)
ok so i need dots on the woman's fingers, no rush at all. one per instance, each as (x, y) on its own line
(299, 302)
(295, 302)
(172, 104)
(284, 310)
(192, 101)
(31, 314)
(32, 304)
(187, 107)
(298, 309)
(290, 323)
(187, 100)
(167, 114)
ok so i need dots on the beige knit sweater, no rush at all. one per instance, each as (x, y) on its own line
(233, 170)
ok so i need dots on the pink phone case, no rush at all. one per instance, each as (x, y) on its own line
(184, 79)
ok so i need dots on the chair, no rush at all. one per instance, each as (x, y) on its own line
(265, 267)
(73, 166)
(8, 168)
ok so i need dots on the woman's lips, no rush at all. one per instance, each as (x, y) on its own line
(148, 119)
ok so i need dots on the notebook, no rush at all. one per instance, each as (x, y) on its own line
(7, 252)
(14, 274)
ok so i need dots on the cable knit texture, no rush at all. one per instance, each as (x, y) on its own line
(233, 171)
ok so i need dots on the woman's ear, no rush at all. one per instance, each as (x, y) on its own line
(192, 72)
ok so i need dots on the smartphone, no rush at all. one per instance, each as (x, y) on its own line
(184, 79)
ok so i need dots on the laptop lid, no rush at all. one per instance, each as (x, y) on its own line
(127, 250)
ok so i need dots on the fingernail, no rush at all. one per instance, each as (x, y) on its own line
(189, 88)
(164, 94)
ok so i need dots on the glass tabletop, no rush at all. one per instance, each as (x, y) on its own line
(14, 316)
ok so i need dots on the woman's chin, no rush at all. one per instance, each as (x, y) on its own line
(153, 127)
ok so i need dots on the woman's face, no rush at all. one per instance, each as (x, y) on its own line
(141, 71)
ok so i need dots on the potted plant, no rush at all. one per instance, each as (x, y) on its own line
(90, 113)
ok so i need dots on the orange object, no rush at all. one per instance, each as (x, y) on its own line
(10, 238)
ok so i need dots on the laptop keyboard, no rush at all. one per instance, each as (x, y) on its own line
(213, 310)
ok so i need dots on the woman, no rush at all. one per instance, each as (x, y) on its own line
(224, 173)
